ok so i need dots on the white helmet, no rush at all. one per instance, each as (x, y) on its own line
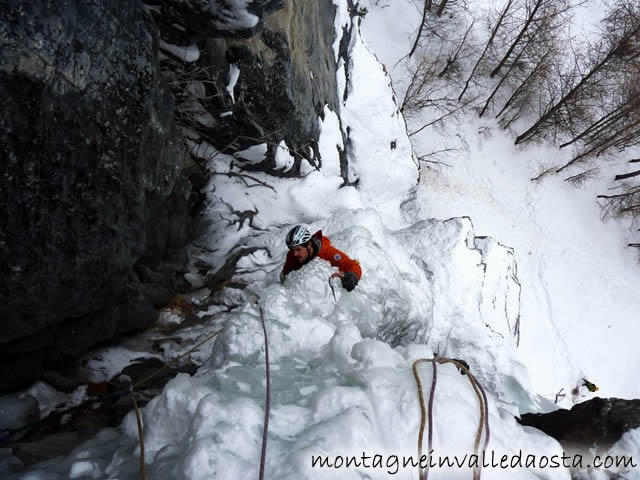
(298, 235)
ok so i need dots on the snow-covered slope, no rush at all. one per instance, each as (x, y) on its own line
(579, 281)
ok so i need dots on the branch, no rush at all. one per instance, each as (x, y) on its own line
(423, 158)
(627, 175)
(517, 40)
(427, 7)
(542, 174)
(581, 177)
(443, 4)
(455, 56)
(438, 119)
(628, 193)
(493, 34)
(242, 177)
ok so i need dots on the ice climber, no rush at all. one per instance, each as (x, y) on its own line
(304, 247)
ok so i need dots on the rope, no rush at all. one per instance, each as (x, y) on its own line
(424, 475)
(267, 403)
(483, 406)
(116, 394)
(146, 379)
(164, 367)
(140, 433)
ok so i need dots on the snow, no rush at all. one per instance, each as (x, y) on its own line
(330, 143)
(48, 397)
(338, 388)
(188, 54)
(341, 21)
(253, 154)
(283, 158)
(232, 79)
(472, 261)
(228, 15)
(381, 153)
(578, 281)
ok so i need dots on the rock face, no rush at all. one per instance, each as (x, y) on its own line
(97, 192)
(215, 18)
(598, 422)
(91, 187)
(286, 74)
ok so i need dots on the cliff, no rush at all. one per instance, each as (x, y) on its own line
(106, 106)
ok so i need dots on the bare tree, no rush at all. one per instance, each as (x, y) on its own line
(618, 50)
(517, 63)
(444, 47)
(623, 204)
(488, 44)
(520, 37)
(425, 11)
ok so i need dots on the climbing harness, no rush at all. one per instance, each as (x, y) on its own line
(267, 403)
(484, 413)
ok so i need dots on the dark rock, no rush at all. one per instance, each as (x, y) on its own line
(287, 76)
(599, 422)
(106, 406)
(152, 366)
(18, 373)
(18, 411)
(91, 180)
(97, 196)
(221, 18)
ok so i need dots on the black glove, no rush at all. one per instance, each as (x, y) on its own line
(349, 281)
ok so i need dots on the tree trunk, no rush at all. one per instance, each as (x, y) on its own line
(489, 42)
(523, 84)
(627, 175)
(536, 126)
(443, 4)
(495, 90)
(455, 55)
(427, 7)
(599, 125)
(517, 40)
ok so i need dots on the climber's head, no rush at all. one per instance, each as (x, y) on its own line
(299, 242)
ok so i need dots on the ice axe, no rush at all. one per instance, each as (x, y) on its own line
(331, 277)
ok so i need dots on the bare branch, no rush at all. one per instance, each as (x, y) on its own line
(427, 7)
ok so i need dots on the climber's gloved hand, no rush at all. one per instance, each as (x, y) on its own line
(349, 281)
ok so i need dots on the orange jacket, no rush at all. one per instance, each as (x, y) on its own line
(322, 248)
